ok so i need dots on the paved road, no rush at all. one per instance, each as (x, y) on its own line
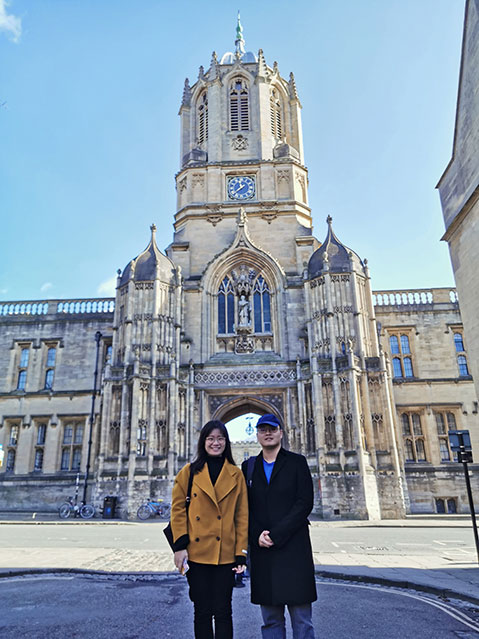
(55, 606)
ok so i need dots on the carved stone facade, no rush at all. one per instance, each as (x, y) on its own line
(247, 312)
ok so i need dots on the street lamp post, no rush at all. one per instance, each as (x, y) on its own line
(98, 337)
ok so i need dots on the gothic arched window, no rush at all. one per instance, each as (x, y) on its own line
(203, 118)
(239, 108)
(226, 307)
(261, 306)
(275, 111)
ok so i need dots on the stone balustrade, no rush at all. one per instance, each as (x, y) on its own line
(415, 297)
(54, 307)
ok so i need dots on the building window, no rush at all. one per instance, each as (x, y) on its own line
(202, 118)
(108, 354)
(239, 108)
(226, 307)
(446, 505)
(50, 367)
(275, 112)
(72, 446)
(459, 343)
(462, 363)
(261, 306)
(413, 437)
(38, 463)
(39, 448)
(141, 440)
(22, 367)
(10, 465)
(401, 352)
(445, 422)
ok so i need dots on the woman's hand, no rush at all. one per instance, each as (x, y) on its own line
(265, 540)
(180, 557)
(239, 569)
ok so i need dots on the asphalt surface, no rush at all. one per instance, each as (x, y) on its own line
(101, 607)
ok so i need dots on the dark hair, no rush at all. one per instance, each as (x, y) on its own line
(201, 454)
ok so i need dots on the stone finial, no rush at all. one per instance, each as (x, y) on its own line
(239, 42)
(153, 232)
(292, 87)
(329, 220)
(186, 100)
(118, 272)
(214, 66)
(275, 67)
(201, 73)
(242, 217)
(262, 68)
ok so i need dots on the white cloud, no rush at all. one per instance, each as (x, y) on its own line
(107, 288)
(48, 285)
(3, 291)
(10, 23)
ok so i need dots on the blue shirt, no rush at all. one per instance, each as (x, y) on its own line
(268, 469)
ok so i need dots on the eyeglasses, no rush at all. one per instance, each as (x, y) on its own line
(220, 440)
(267, 429)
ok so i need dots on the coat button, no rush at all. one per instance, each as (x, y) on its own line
(217, 538)
(197, 539)
(219, 517)
(197, 518)
(194, 495)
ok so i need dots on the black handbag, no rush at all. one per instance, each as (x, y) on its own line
(168, 531)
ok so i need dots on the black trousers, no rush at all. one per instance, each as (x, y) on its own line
(211, 588)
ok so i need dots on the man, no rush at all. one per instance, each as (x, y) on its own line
(280, 491)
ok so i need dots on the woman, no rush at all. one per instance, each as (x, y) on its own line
(211, 536)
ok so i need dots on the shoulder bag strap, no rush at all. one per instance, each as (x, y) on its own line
(188, 492)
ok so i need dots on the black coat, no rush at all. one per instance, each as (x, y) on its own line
(284, 573)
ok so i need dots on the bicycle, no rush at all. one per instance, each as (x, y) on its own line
(70, 507)
(151, 508)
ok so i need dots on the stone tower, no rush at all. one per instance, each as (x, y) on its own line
(247, 312)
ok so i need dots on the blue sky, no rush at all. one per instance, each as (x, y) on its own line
(89, 132)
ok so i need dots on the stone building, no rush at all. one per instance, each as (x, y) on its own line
(246, 312)
(459, 187)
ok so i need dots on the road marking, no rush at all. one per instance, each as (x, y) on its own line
(35, 578)
(448, 541)
(410, 544)
(335, 544)
(449, 610)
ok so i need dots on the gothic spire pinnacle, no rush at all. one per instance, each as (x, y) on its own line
(293, 92)
(262, 68)
(186, 101)
(239, 42)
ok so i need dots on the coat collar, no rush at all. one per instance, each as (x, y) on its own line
(223, 486)
(278, 464)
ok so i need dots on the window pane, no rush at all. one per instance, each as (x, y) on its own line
(444, 449)
(405, 344)
(451, 506)
(397, 369)
(10, 460)
(78, 434)
(221, 314)
(394, 344)
(463, 370)
(109, 350)
(420, 451)
(451, 421)
(416, 424)
(68, 434)
(22, 380)
(49, 379)
(231, 312)
(76, 460)
(65, 465)
(406, 430)
(24, 357)
(266, 312)
(42, 431)
(458, 342)
(409, 450)
(52, 353)
(13, 436)
(441, 428)
(38, 459)
(408, 367)
(440, 507)
(258, 327)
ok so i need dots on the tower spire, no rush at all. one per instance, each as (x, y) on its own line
(239, 42)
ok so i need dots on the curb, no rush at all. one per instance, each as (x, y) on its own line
(443, 593)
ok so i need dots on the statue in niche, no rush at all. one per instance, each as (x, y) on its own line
(244, 312)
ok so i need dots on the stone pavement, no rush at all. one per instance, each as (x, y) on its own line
(446, 576)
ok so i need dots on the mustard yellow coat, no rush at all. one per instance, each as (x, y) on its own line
(217, 517)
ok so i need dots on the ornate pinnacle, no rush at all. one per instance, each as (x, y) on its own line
(329, 220)
(275, 67)
(201, 73)
(292, 86)
(262, 68)
(186, 100)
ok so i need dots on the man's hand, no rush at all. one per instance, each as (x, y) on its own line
(265, 540)
(180, 557)
(239, 569)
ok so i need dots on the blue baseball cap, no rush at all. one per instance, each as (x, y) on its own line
(270, 420)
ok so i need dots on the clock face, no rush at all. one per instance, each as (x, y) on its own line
(241, 187)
